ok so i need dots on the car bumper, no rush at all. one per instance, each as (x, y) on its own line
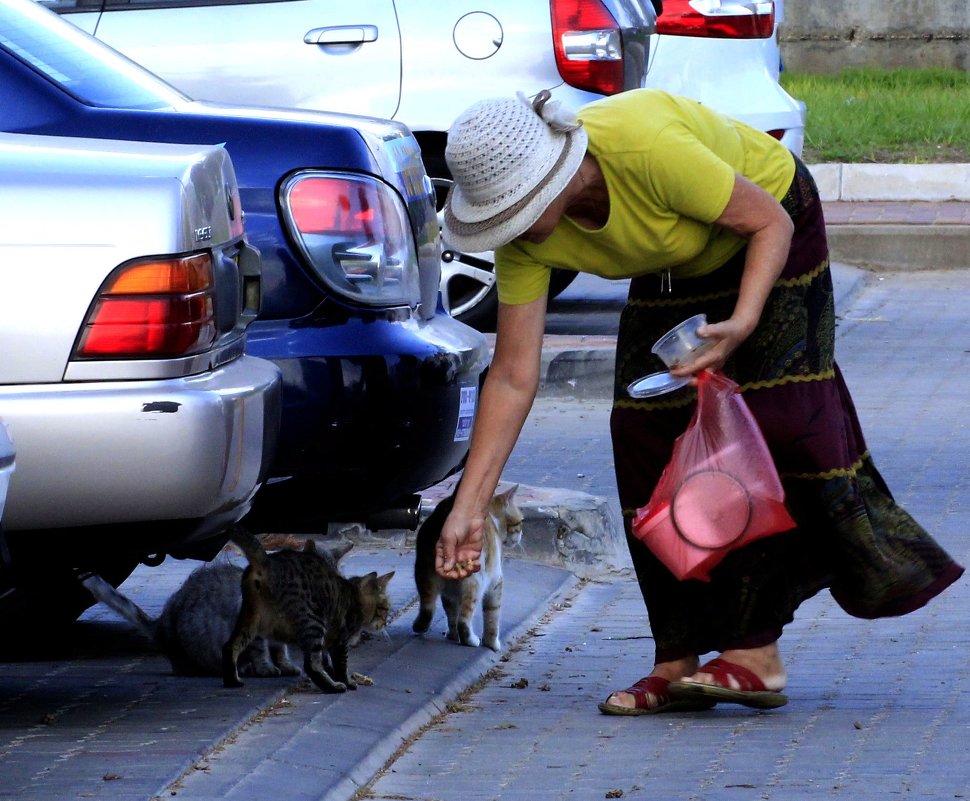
(735, 77)
(95, 454)
(7, 455)
(375, 410)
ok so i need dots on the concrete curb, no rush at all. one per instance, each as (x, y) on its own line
(901, 247)
(865, 182)
(563, 528)
(917, 246)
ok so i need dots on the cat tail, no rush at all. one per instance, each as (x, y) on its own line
(121, 605)
(250, 545)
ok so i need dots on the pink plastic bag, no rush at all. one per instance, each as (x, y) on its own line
(720, 490)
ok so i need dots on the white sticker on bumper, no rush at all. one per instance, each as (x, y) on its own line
(466, 413)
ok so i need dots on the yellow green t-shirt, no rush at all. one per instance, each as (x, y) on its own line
(669, 164)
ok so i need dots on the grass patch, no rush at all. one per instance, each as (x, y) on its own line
(891, 116)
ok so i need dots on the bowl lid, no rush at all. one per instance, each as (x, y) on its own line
(711, 509)
(655, 384)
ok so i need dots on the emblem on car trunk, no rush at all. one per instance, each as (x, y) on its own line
(203, 234)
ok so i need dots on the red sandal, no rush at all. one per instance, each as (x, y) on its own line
(752, 691)
(657, 686)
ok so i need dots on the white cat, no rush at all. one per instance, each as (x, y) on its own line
(460, 597)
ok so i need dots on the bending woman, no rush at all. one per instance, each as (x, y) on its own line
(705, 214)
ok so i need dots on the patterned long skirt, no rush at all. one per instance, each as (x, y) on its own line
(851, 536)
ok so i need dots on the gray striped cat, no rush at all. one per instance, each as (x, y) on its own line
(300, 597)
(199, 617)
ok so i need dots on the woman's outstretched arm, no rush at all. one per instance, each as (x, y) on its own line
(507, 396)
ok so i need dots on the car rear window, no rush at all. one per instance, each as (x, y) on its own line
(83, 66)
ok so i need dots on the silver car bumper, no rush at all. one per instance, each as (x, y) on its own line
(124, 452)
(7, 455)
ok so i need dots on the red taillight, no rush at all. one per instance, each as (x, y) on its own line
(355, 234)
(717, 19)
(328, 205)
(588, 45)
(153, 308)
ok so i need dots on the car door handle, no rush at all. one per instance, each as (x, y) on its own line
(342, 34)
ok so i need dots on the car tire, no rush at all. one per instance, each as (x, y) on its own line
(468, 289)
(44, 594)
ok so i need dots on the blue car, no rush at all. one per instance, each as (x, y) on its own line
(380, 385)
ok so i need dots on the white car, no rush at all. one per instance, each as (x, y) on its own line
(424, 61)
(141, 428)
(725, 54)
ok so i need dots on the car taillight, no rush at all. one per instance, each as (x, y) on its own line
(356, 234)
(588, 45)
(717, 19)
(152, 308)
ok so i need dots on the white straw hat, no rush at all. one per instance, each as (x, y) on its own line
(509, 159)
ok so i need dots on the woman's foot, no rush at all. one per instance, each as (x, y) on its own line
(764, 662)
(649, 695)
(753, 677)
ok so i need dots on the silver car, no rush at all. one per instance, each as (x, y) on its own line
(7, 458)
(7, 465)
(141, 429)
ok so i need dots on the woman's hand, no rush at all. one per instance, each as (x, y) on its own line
(727, 336)
(459, 549)
(756, 216)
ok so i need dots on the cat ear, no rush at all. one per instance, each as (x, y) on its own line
(508, 494)
(385, 579)
(341, 550)
(334, 552)
(310, 546)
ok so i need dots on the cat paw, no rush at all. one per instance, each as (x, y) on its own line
(495, 645)
(467, 636)
(325, 683)
(421, 623)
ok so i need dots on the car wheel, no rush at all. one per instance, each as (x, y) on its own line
(467, 285)
(43, 591)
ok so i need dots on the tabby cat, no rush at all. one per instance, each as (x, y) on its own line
(198, 619)
(460, 597)
(299, 597)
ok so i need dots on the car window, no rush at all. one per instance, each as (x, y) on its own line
(92, 72)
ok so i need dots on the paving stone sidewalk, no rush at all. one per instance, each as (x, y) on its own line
(879, 710)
